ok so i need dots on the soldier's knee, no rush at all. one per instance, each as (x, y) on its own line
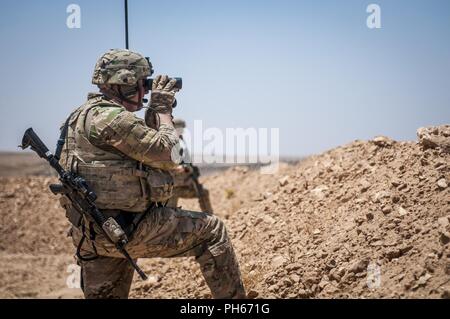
(218, 231)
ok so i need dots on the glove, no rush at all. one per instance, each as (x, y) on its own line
(162, 98)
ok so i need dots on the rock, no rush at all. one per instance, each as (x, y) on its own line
(402, 212)
(365, 185)
(302, 293)
(423, 280)
(334, 275)
(316, 231)
(382, 141)
(8, 195)
(341, 271)
(320, 192)
(396, 183)
(295, 278)
(348, 277)
(252, 294)
(446, 294)
(283, 181)
(386, 209)
(395, 199)
(291, 295)
(287, 282)
(442, 183)
(330, 264)
(435, 137)
(278, 261)
(292, 267)
(258, 221)
(444, 237)
(269, 220)
(379, 196)
(266, 195)
(359, 266)
(443, 221)
(377, 243)
(330, 290)
(323, 284)
(311, 278)
(397, 252)
(359, 220)
(400, 277)
(369, 216)
(322, 254)
(274, 288)
(152, 279)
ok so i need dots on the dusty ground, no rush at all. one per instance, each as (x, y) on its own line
(368, 219)
(25, 163)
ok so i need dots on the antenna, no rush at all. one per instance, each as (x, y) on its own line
(126, 24)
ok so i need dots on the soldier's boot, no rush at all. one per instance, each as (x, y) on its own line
(106, 278)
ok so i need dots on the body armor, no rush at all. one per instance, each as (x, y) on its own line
(119, 182)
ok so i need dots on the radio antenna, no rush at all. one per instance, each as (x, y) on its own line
(126, 25)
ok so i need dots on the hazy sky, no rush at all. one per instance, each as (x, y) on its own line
(311, 68)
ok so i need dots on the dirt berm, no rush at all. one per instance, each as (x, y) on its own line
(368, 219)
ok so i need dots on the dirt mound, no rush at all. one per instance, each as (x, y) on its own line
(368, 219)
(32, 220)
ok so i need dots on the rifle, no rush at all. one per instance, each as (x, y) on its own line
(82, 197)
(194, 174)
(202, 193)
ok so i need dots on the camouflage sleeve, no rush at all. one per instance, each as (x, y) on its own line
(115, 127)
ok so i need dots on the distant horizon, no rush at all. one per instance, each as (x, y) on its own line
(52, 147)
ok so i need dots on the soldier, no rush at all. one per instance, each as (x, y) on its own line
(126, 161)
(186, 184)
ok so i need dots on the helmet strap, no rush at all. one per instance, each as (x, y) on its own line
(126, 99)
(113, 94)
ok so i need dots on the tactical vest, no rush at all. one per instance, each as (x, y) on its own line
(118, 181)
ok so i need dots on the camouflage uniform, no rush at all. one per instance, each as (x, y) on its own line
(125, 162)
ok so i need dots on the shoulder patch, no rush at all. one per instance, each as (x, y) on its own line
(107, 112)
(112, 112)
(100, 117)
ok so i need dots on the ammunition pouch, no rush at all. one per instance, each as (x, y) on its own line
(122, 185)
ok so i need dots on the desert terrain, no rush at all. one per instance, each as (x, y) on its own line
(369, 219)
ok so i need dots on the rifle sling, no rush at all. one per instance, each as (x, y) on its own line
(62, 137)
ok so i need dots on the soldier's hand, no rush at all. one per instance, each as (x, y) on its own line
(163, 94)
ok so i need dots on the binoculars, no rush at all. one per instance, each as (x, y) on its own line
(148, 83)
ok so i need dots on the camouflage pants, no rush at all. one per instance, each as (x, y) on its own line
(163, 232)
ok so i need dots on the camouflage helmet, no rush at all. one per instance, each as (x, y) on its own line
(121, 67)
